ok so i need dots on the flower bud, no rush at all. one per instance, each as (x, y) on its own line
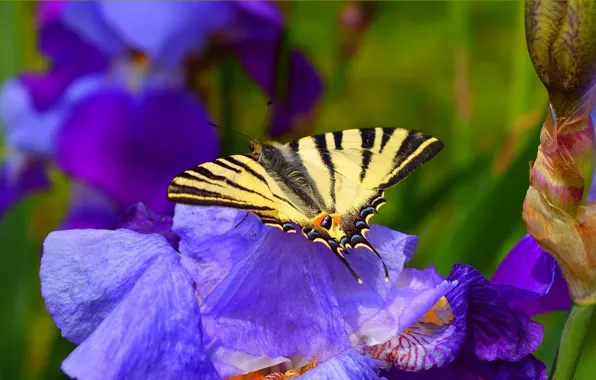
(561, 39)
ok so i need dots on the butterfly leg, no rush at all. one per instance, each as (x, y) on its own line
(243, 219)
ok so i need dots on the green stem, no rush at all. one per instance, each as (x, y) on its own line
(572, 342)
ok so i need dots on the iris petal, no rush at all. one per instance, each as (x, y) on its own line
(278, 301)
(154, 332)
(117, 142)
(531, 280)
(85, 274)
(494, 330)
(347, 365)
(89, 208)
(19, 177)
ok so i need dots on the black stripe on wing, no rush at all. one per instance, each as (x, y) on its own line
(321, 145)
(408, 157)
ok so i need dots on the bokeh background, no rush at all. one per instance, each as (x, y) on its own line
(458, 70)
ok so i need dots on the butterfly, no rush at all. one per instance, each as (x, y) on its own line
(329, 185)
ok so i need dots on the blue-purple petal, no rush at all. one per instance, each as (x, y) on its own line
(19, 177)
(167, 31)
(85, 274)
(212, 241)
(89, 208)
(131, 146)
(86, 19)
(531, 280)
(32, 131)
(140, 219)
(347, 365)
(412, 295)
(277, 301)
(153, 333)
(493, 330)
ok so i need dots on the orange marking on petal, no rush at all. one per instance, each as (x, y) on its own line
(431, 316)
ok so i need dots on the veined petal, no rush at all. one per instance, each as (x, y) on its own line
(278, 301)
(131, 147)
(89, 208)
(412, 295)
(531, 280)
(347, 365)
(361, 302)
(494, 330)
(431, 340)
(85, 274)
(212, 241)
(154, 332)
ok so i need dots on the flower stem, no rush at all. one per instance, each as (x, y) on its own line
(572, 342)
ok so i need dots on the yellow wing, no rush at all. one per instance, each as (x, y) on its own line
(352, 169)
(239, 182)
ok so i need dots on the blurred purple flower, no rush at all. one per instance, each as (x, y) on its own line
(266, 297)
(170, 32)
(112, 122)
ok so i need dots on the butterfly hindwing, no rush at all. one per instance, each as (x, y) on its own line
(352, 169)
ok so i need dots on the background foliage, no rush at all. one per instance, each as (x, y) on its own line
(456, 69)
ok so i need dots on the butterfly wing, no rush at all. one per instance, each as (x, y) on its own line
(358, 165)
(237, 181)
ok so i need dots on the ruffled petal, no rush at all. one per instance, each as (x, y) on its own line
(140, 219)
(19, 177)
(154, 332)
(347, 365)
(434, 335)
(277, 301)
(212, 242)
(89, 208)
(131, 147)
(360, 302)
(494, 331)
(531, 279)
(468, 367)
(85, 274)
(412, 295)
(167, 31)
(443, 373)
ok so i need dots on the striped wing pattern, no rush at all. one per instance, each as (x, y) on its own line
(236, 181)
(349, 169)
(352, 168)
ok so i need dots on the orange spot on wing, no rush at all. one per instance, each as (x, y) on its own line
(336, 218)
(319, 219)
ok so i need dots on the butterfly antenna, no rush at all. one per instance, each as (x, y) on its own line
(262, 127)
(236, 132)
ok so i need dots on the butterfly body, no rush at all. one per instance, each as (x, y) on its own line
(329, 185)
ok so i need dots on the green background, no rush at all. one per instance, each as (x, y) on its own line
(457, 70)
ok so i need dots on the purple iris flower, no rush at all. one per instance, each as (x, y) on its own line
(170, 32)
(489, 337)
(265, 298)
(122, 123)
